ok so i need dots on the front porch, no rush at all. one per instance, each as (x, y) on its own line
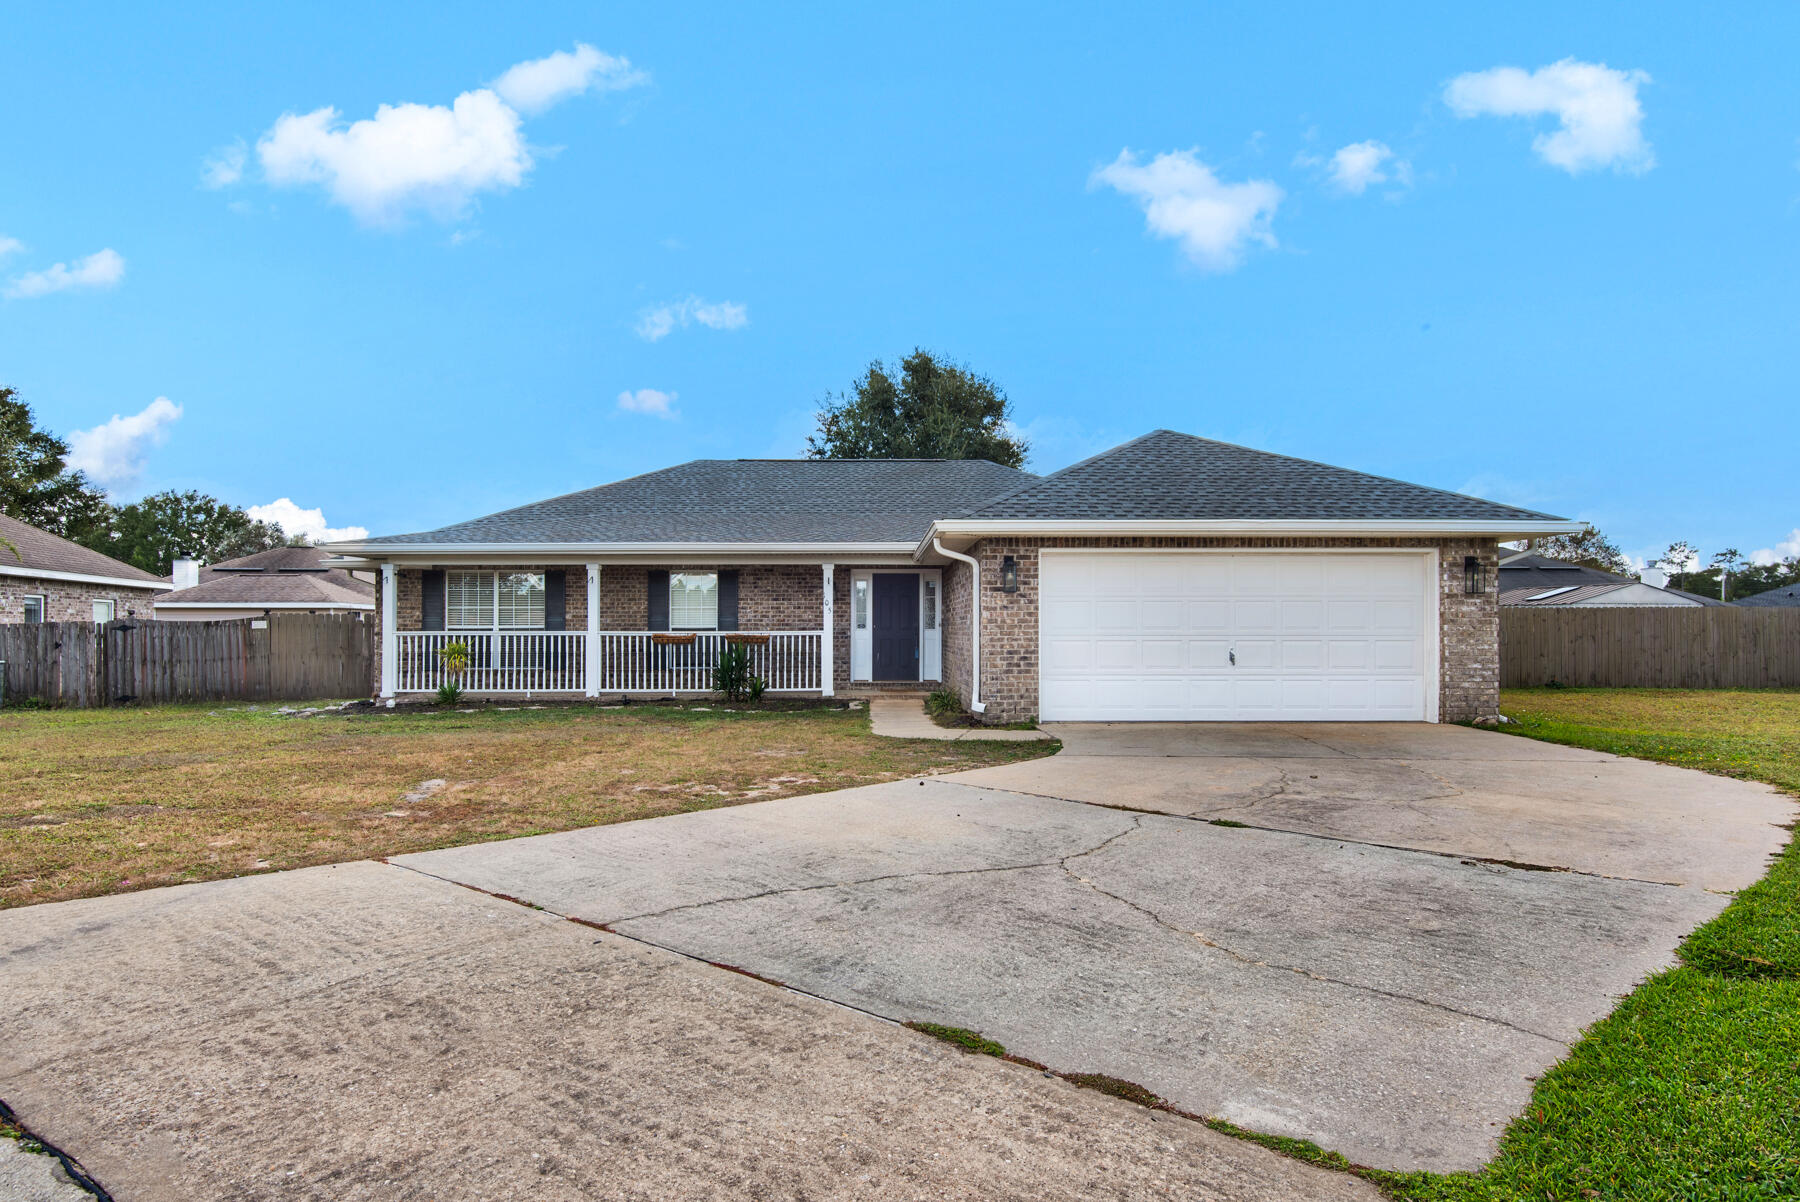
(604, 630)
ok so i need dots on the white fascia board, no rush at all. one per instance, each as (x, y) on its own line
(587, 552)
(1408, 528)
(81, 578)
(262, 605)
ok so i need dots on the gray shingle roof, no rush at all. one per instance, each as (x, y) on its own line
(47, 552)
(1168, 476)
(748, 501)
(288, 575)
(1787, 595)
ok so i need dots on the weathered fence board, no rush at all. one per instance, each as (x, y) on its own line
(283, 657)
(1661, 647)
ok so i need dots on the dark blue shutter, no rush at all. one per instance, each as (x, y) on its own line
(728, 600)
(431, 599)
(555, 601)
(659, 600)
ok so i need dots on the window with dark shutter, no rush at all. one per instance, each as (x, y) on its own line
(658, 599)
(728, 600)
(555, 600)
(431, 599)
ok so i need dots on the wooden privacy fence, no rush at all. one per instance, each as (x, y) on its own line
(1664, 647)
(136, 662)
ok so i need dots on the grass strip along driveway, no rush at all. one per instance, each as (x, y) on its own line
(1691, 1088)
(103, 801)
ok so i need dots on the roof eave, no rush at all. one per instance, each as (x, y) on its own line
(370, 553)
(971, 528)
(8, 569)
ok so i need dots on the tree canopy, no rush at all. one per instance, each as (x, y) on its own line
(36, 485)
(934, 410)
(1589, 548)
(152, 533)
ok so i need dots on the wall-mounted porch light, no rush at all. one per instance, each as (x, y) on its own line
(1009, 575)
(1474, 575)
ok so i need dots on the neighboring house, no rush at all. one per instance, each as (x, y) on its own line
(51, 579)
(1787, 595)
(1170, 578)
(1540, 582)
(285, 580)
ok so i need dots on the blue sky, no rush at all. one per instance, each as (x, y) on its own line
(1569, 285)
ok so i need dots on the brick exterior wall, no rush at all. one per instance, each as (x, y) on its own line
(69, 600)
(1468, 634)
(958, 606)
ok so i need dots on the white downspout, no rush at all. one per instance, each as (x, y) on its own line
(975, 701)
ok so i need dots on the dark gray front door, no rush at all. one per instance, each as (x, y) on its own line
(896, 626)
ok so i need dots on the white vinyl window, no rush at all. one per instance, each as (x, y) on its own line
(693, 600)
(34, 609)
(930, 603)
(860, 591)
(494, 600)
(104, 611)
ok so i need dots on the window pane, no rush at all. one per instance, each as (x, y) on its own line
(931, 605)
(469, 600)
(862, 604)
(693, 600)
(522, 601)
(34, 609)
(103, 611)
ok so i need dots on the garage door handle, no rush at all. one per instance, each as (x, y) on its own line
(1232, 656)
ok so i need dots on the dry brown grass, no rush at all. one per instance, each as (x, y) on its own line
(103, 801)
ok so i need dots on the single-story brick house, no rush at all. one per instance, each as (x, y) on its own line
(1172, 577)
(50, 579)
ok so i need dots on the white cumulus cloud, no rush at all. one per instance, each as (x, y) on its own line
(650, 401)
(431, 158)
(533, 86)
(1600, 122)
(659, 322)
(112, 454)
(1788, 548)
(307, 523)
(102, 269)
(224, 166)
(1356, 166)
(1182, 198)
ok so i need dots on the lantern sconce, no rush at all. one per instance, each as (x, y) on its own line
(1009, 575)
(1474, 575)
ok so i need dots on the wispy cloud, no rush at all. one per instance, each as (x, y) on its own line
(1353, 169)
(649, 401)
(1600, 122)
(102, 269)
(1182, 198)
(659, 322)
(305, 523)
(112, 454)
(531, 87)
(224, 166)
(9, 245)
(431, 158)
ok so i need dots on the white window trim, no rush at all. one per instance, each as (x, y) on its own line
(41, 604)
(493, 575)
(714, 573)
(112, 609)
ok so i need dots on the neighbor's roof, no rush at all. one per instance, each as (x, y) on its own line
(43, 551)
(1539, 580)
(746, 501)
(286, 576)
(1169, 476)
(1786, 595)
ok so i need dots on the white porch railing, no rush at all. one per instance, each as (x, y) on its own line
(638, 661)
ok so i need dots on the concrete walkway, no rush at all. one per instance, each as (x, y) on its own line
(905, 718)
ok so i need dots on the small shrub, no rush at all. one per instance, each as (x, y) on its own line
(734, 677)
(449, 693)
(455, 659)
(943, 703)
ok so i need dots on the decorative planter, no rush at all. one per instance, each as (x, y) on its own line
(748, 640)
(674, 640)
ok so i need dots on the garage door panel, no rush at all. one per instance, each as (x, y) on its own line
(1151, 636)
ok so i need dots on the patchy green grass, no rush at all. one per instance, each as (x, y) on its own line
(103, 801)
(1690, 1090)
(962, 1037)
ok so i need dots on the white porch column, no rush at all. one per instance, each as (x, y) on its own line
(390, 635)
(828, 643)
(591, 674)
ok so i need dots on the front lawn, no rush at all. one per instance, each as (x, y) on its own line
(1690, 1089)
(101, 801)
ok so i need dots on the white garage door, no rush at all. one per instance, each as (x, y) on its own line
(1199, 636)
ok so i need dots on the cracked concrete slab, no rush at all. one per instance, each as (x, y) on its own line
(1502, 798)
(366, 1032)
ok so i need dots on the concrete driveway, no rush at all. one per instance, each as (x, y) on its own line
(1353, 967)
(1413, 923)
